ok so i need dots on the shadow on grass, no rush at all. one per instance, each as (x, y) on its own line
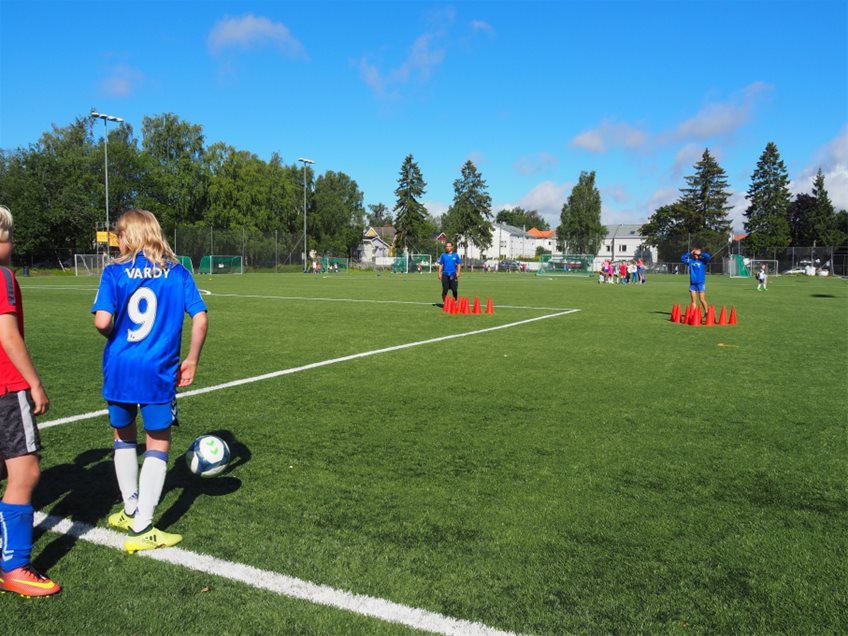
(192, 486)
(86, 491)
(822, 296)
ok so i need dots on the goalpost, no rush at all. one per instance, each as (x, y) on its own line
(185, 261)
(415, 264)
(771, 266)
(89, 264)
(565, 265)
(221, 265)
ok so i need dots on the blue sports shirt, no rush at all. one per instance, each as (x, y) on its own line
(449, 263)
(697, 267)
(142, 355)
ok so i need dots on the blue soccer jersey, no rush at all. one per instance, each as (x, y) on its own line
(142, 355)
(697, 267)
(449, 263)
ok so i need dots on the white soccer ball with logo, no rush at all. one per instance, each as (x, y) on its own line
(208, 456)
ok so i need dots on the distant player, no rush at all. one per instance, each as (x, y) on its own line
(762, 278)
(139, 308)
(697, 261)
(450, 267)
(22, 398)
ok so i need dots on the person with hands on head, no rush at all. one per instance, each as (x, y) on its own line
(697, 261)
(450, 267)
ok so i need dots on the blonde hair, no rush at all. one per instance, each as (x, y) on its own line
(5, 224)
(142, 233)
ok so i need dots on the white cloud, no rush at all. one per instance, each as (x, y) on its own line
(832, 158)
(122, 81)
(480, 25)
(476, 157)
(547, 198)
(722, 118)
(617, 193)
(686, 157)
(370, 74)
(537, 163)
(436, 208)
(252, 31)
(611, 134)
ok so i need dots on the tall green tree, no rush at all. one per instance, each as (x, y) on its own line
(699, 217)
(798, 216)
(519, 217)
(469, 217)
(410, 213)
(379, 215)
(705, 199)
(175, 156)
(824, 222)
(338, 215)
(580, 230)
(769, 199)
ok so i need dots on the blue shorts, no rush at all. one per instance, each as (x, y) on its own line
(157, 417)
(697, 287)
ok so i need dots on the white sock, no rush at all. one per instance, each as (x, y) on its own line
(150, 485)
(126, 470)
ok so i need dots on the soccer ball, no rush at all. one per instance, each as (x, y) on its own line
(208, 456)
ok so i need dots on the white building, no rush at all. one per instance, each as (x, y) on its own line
(509, 243)
(624, 242)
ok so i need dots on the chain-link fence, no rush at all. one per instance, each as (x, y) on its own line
(258, 250)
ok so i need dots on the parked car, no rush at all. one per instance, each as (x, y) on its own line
(509, 266)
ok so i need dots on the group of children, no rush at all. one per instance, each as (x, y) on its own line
(624, 272)
(139, 308)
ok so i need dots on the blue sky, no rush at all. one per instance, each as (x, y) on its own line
(532, 92)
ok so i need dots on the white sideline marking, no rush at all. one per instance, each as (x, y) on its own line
(278, 583)
(316, 365)
(365, 300)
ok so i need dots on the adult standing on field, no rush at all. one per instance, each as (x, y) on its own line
(449, 269)
(697, 261)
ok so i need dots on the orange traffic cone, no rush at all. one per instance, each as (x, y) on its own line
(675, 313)
(446, 304)
(710, 316)
(454, 307)
(476, 311)
(695, 317)
(490, 308)
(732, 319)
(722, 317)
(463, 305)
(683, 317)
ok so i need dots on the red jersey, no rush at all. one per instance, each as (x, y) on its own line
(11, 379)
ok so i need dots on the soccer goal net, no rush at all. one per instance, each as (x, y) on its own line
(185, 261)
(771, 266)
(737, 267)
(414, 264)
(89, 264)
(565, 265)
(221, 265)
(334, 264)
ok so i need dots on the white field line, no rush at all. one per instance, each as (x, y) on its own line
(277, 583)
(206, 292)
(316, 365)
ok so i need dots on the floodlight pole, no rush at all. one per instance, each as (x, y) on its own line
(305, 162)
(106, 118)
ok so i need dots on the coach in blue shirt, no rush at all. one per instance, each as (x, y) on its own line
(697, 261)
(449, 268)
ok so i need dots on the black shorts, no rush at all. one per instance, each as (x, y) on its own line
(18, 432)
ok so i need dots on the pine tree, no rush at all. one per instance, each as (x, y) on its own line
(769, 199)
(823, 221)
(580, 230)
(705, 199)
(469, 218)
(410, 213)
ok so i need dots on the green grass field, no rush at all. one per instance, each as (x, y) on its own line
(603, 471)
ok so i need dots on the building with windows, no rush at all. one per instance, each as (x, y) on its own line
(624, 242)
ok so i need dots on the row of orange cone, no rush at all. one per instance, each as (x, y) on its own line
(461, 306)
(693, 316)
